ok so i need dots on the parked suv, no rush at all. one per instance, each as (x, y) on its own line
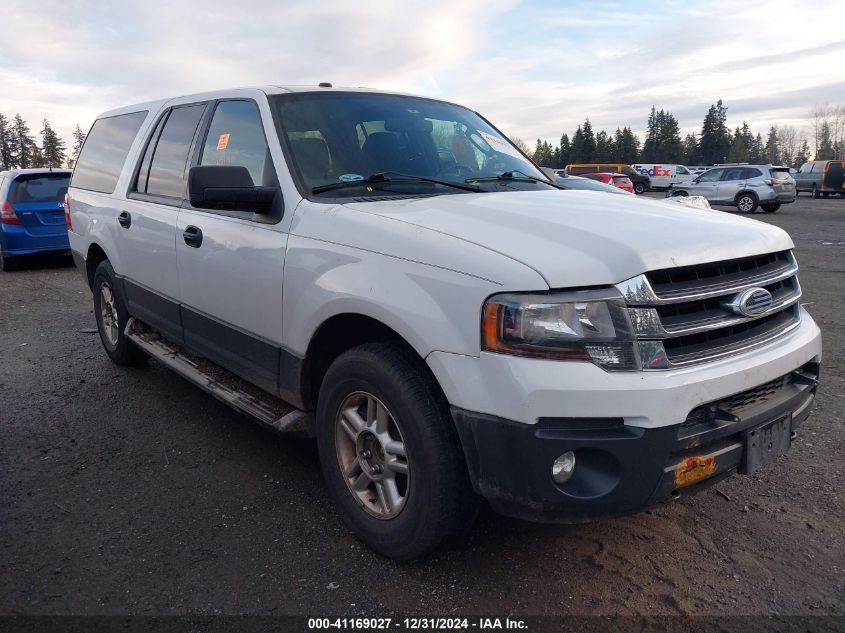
(391, 274)
(742, 186)
(32, 213)
(821, 178)
(641, 182)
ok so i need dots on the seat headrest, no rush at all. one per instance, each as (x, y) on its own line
(382, 149)
(312, 156)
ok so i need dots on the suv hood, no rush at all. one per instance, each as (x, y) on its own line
(586, 238)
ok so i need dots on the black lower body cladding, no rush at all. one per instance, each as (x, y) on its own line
(620, 469)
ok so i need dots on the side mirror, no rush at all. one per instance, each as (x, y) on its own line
(227, 187)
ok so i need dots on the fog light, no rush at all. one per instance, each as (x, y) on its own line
(563, 467)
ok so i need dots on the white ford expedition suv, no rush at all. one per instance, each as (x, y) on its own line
(393, 276)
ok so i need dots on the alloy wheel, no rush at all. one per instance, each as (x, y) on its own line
(371, 455)
(108, 314)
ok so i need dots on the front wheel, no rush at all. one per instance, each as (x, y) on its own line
(746, 203)
(390, 453)
(771, 208)
(815, 192)
(639, 188)
(111, 316)
(680, 194)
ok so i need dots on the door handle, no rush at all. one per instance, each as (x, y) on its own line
(192, 236)
(125, 219)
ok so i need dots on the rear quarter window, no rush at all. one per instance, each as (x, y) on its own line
(105, 150)
(36, 188)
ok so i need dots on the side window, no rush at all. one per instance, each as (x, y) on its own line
(169, 151)
(711, 176)
(734, 173)
(751, 172)
(104, 152)
(682, 170)
(236, 137)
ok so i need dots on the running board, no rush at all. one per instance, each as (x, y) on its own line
(242, 396)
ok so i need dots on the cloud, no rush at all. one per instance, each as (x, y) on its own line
(535, 69)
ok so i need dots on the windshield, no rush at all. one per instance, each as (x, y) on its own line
(350, 137)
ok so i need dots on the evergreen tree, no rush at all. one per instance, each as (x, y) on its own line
(663, 138)
(690, 148)
(6, 157)
(627, 145)
(826, 151)
(588, 148)
(79, 139)
(24, 149)
(740, 149)
(715, 141)
(757, 151)
(565, 151)
(605, 150)
(52, 147)
(772, 148)
(577, 149)
(803, 154)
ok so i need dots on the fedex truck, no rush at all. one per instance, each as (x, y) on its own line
(663, 175)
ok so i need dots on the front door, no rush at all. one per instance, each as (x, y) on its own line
(231, 263)
(707, 184)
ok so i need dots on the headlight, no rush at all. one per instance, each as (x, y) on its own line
(588, 325)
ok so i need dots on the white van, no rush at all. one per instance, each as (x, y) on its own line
(663, 175)
(391, 274)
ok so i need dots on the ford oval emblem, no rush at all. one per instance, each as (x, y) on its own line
(751, 302)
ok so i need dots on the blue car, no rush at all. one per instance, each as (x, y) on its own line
(32, 215)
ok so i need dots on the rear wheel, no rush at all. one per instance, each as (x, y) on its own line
(746, 202)
(390, 453)
(111, 316)
(770, 208)
(639, 188)
(8, 264)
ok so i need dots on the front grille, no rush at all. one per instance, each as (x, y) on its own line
(736, 403)
(689, 315)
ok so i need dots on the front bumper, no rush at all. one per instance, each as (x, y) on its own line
(622, 469)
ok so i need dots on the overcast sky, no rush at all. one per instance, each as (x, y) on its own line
(536, 69)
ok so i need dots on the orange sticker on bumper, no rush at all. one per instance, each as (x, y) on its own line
(694, 469)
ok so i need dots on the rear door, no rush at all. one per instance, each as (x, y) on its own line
(834, 177)
(231, 262)
(148, 219)
(37, 199)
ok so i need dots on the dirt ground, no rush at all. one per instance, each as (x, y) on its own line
(128, 491)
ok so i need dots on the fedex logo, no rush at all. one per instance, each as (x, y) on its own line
(657, 170)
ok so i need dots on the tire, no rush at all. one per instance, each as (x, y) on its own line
(680, 194)
(438, 499)
(639, 188)
(771, 208)
(111, 316)
(8, 264)
(746, 202)
(825, 194)
(815, 192)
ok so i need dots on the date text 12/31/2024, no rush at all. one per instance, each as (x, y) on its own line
(415, 624)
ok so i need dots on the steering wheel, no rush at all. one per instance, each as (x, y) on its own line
(457, 170)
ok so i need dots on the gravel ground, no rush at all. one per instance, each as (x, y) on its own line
(128, 491)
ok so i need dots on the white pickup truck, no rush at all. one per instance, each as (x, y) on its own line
(392, 275)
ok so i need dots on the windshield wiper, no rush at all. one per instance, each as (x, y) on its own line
(515, 176)
(382, 177)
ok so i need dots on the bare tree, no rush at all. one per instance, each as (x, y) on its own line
(524, 147)
(789, 140)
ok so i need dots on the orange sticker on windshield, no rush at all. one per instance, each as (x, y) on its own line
(223, 141)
